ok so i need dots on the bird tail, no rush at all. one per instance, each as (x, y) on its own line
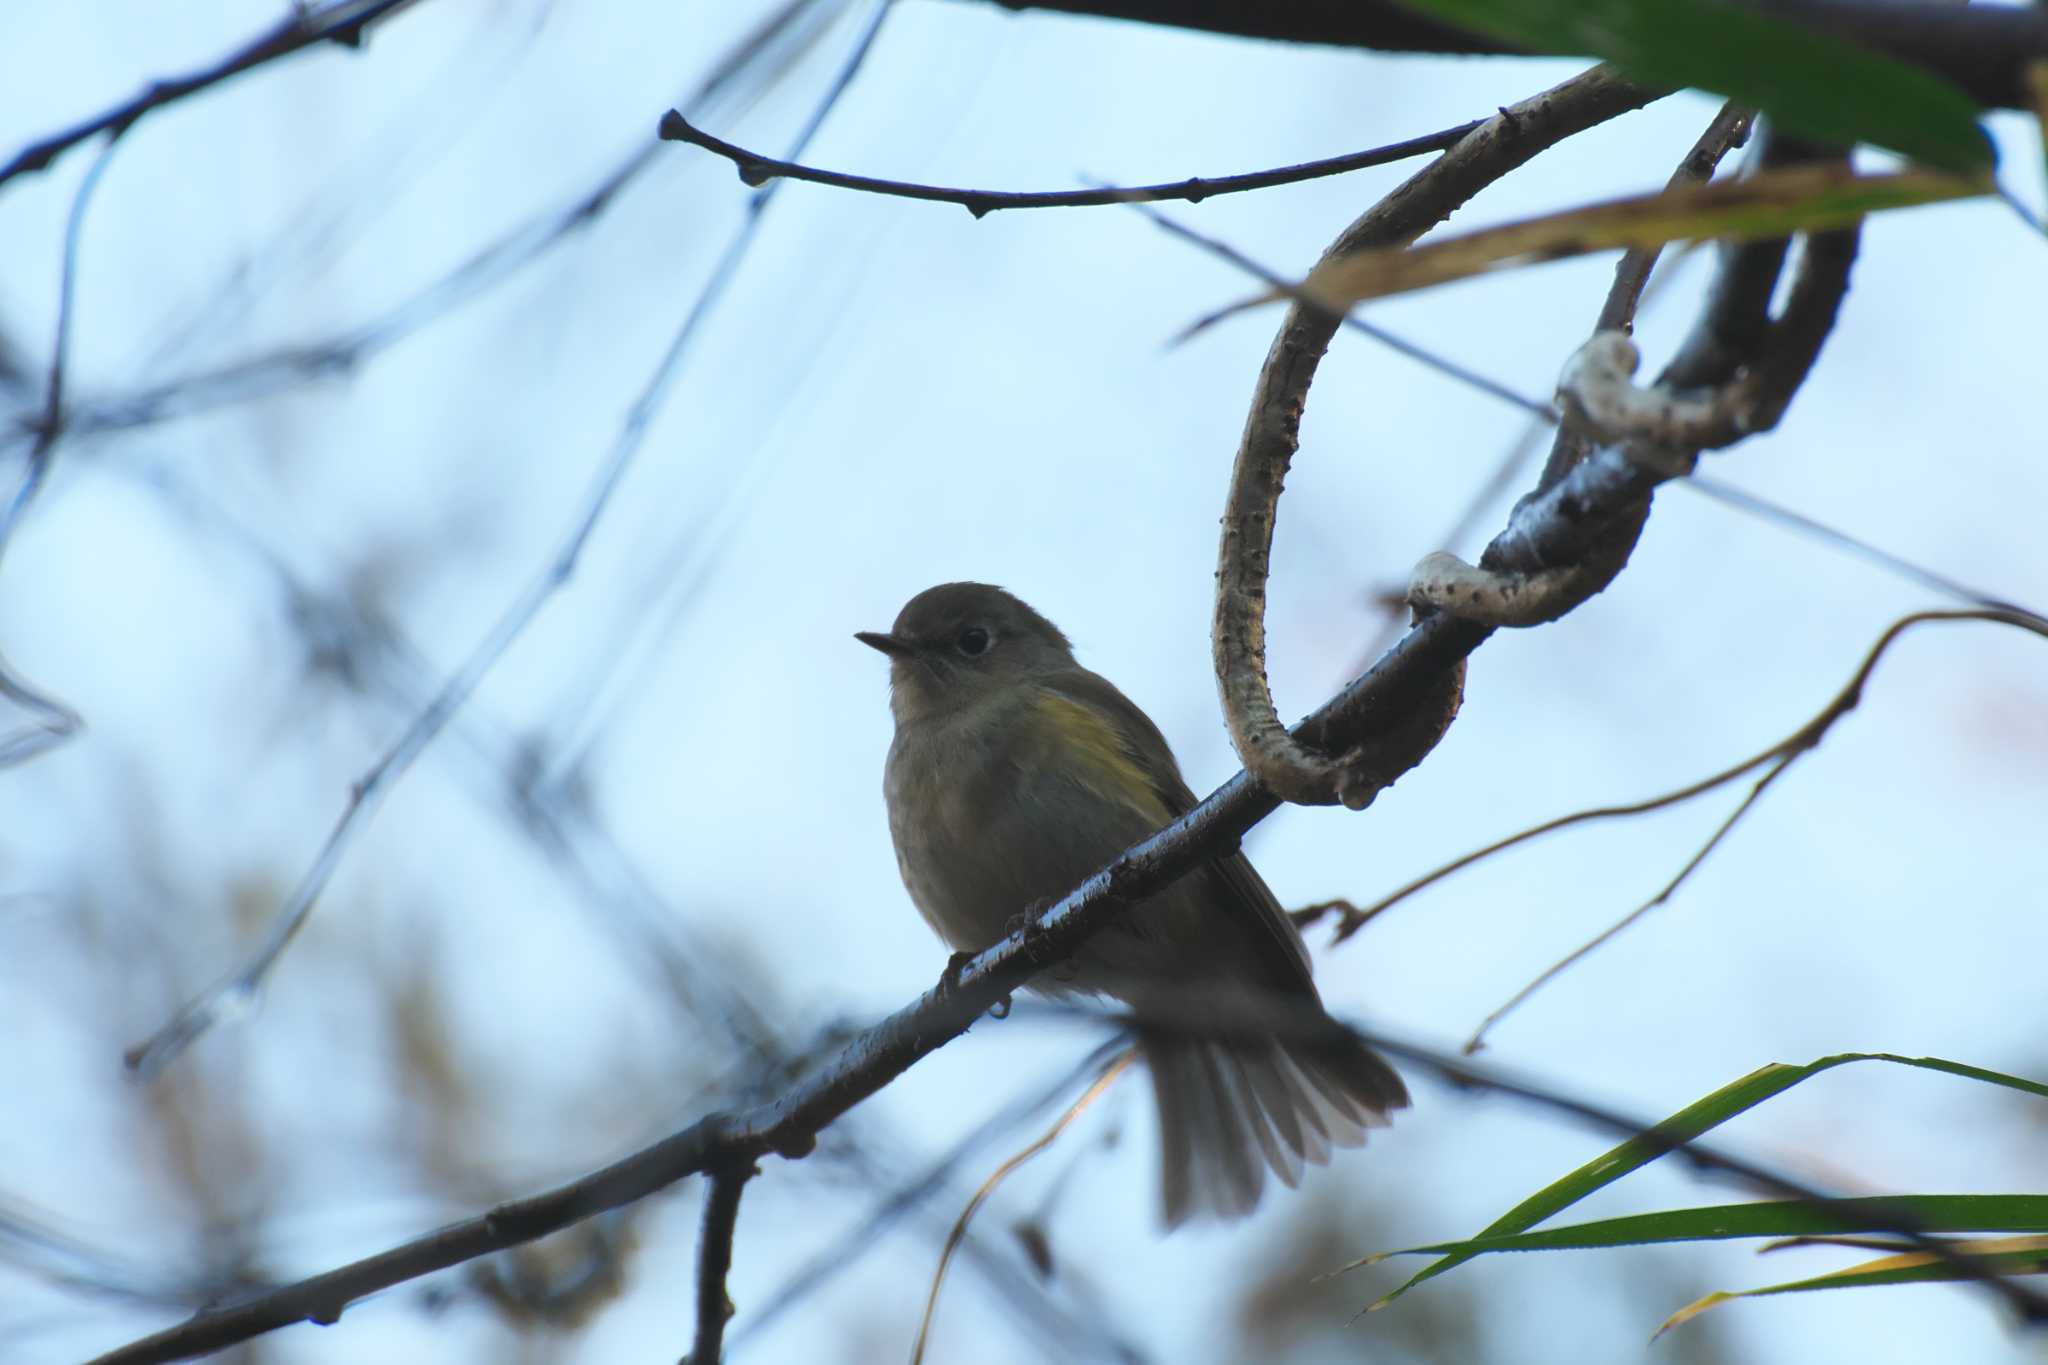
(1229, 1111)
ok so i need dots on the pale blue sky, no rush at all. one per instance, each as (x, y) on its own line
(893, 395)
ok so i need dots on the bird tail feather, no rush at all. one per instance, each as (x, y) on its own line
(1229, 1111)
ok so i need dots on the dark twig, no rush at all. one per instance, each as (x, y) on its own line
(233, 994)
(1404, 679)
(1752, 365)
(53, 722)
(343, 22)
(790, 1123)
(1774, 761)
(1729, 130)
(756, 169)
(870, 1232)
(1775, 758)
(1619, 304)
(714, 1260)
(1897, 565)
(1570, 446)
(697, 973)
(1663, 896)
(1272, 433)
(1422, 355)
(498, 261)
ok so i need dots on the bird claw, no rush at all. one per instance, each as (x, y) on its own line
(956, 968)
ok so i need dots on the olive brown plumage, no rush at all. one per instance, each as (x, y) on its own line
(1015, 774)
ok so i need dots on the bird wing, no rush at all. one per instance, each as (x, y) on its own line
(1278, 956)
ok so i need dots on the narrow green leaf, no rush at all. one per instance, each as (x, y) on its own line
(1810, 81)
(1925, 1213)
(1695, 1120)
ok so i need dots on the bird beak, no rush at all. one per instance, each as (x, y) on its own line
(888, 644)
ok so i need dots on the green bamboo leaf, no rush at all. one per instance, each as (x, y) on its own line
(1810, 81)
(1927, 1213)
(2001, 1256)
(1695, 1120)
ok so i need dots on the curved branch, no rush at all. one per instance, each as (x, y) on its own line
(1272, 432)
(756, 169)
(789, 1124)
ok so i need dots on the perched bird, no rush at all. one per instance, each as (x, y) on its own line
(1015, 774)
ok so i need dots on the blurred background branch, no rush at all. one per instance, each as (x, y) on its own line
(335, 325)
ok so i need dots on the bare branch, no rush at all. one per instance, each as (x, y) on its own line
(1729, 130)
(1443, 582)
(789, 1125)
(1600, 398)
(756, 169)
(1292, 289)
(1775, 761)
(233, 994)
(1898, 565)
(1403, 679)
(867, 1234)
(343, 22)
(53, 722)
(1664, 894)
(698, 974)
(341, 353)
(1779, 755)
(714, 1259)
(1272, 434)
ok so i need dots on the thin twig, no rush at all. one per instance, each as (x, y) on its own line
(1729, 129)
(1752, 504)
(54, 721)
(497, 262)
(756, 169)
(789, 1124)
(1898, 565)
(1601, 939)
(698, 974)
(869, 1233)
(989, 1186)
(343, 22)
(233, 995)
(1442, 364)
(714, 1261)
(1779, 757)
(1808, 736)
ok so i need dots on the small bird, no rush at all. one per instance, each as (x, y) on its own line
(1014, 775)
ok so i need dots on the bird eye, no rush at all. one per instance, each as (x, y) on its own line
(972, 641)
